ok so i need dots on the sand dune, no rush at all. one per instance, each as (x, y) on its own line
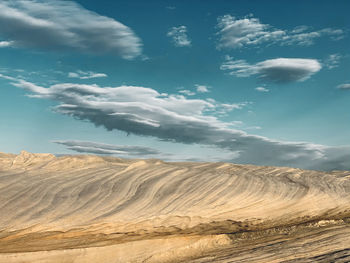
(104, 209)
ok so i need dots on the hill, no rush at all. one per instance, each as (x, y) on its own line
(105, 209)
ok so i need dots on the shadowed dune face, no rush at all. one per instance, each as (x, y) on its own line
(104, 207)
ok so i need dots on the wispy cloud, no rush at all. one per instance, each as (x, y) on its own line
(187, 92)
(144, 111)
(279, 70)
(8, 77)
(262, 89)
(179, 36)
(131, 151)
(332, 61)
(86, 75)
(202, 88)
(108, 149)
(65, 25)
(222, 109)
(249, 31)
(199, 89)
(345, 86)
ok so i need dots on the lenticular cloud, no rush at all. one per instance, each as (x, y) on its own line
(145, 112)
(65, 25)
(279, 70)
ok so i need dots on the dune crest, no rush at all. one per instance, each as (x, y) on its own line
(90, 208)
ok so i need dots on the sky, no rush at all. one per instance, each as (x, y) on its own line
(251, 82)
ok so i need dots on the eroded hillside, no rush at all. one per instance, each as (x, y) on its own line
(103, 209)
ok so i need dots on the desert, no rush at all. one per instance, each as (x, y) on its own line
(85, 208)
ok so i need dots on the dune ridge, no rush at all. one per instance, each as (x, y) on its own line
(88, 206)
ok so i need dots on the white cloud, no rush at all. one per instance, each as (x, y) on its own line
(223, 108)
(279, 70)
(344, 86)
(144, 111)
(65, 25)
(239, 68)
(202, 88)
(187, 92)
(300, 29)
(179, 36)
(6, 44)
(73, 75)
(86, 75)
(332, 61)
(335, 34)
(262, 89)
(249, 31)
(8, 77)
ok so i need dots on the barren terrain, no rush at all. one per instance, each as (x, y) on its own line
(104, 209)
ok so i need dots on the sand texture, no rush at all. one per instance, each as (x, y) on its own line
(75, 209)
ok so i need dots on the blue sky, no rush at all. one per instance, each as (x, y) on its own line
(261, 82)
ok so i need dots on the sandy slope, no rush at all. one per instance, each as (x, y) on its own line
(94, 209)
